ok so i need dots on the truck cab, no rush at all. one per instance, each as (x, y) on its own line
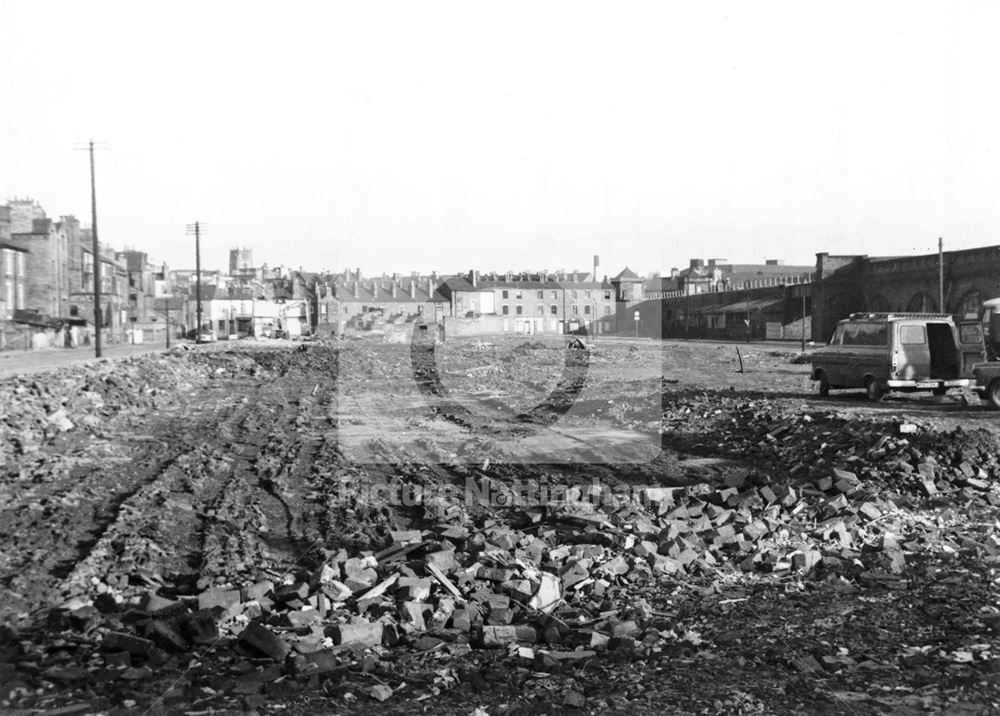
(987, 372)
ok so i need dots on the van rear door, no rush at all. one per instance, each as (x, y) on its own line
(972, 346)
(911, 355)
(945, 357)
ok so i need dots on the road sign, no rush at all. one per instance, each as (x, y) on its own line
(636, 314)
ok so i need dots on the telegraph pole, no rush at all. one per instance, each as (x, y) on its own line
(97, 257)
(166, 310)
(941, 274)
(195, 229)
(96, 248)
(803, 287)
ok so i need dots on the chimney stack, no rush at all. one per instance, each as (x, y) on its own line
(394, 289)
(357, 289)
(413, 289)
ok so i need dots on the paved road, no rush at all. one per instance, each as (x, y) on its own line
(35, 361)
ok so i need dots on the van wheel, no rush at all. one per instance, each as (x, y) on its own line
(993, 393)
(824, 385)
(872, 390)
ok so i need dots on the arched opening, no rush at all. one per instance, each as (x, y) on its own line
(922, 303)
(970, 305)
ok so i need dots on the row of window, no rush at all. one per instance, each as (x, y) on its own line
(11, 263)
(553, 310)
(13, 297)
(518, 294)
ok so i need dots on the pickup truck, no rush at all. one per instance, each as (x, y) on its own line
(987, 375)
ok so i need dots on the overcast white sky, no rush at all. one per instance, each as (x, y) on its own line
(431, 135)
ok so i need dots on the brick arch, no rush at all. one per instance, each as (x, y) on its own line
(922, 302)
(970, 303)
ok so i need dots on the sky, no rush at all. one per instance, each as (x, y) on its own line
(420, 136)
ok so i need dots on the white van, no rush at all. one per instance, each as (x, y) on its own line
(897, 351)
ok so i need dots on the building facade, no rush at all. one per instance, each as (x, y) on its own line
(963, 279)
(12, 280)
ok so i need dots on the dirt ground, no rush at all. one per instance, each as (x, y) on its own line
(868, 585)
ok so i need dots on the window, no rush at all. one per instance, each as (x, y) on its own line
(555, 295)
(517, 294)
(540, 310)
(912, 335)
(586, 294)
(971, 333)
(607, 311)
(519, 310)
(347, 309)
(576, 294)
(586, 310)
(458, 302)
(554, 309)
(541, 295)
(505, 310)
(505, 294)
(576, 310)
(838, 335)
(865, 334)
(607, 295)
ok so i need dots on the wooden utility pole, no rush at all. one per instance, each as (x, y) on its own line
(166, 311)
(196, 229)
(803, 286)
(941, 274)
(89, 147)
(97, 257)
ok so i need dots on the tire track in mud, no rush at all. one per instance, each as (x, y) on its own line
(128, 513)
(47, 536)
(152, 537)
(264, 522)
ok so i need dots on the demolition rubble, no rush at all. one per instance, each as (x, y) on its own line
(763, 582)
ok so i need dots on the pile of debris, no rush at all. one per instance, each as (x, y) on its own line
(556, 585)
(885, 451)
(35, 409)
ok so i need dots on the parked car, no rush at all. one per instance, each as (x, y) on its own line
(898, 351)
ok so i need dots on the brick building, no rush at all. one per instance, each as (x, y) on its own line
(544, 302)
(46, 260)
(349, 302)
(12, 280)
(904, 283)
